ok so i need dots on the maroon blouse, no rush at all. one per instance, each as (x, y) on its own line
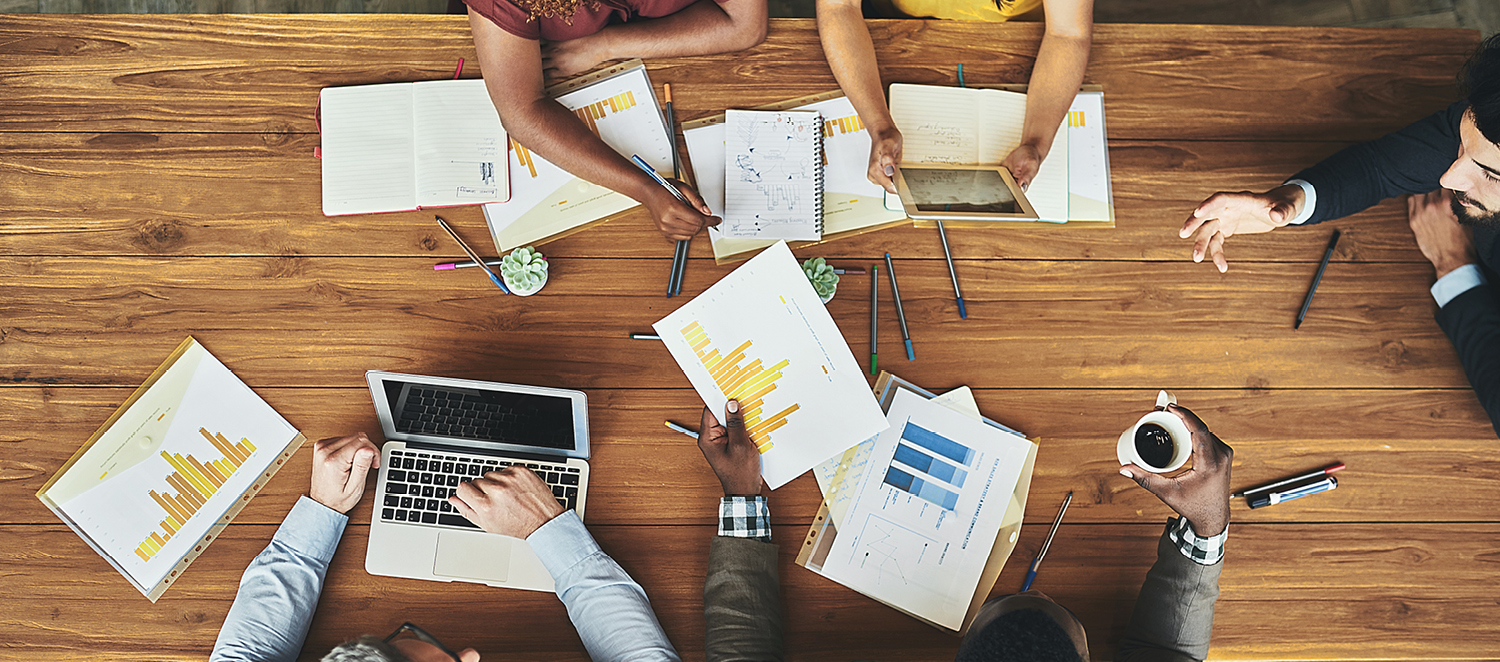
(586, 21)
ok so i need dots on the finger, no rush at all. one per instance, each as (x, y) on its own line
(469, 490)
(1148, 481)
(1216, 249)
(463, 508)
(734, 423)
(713, 221)
(1200, 243)
(694, 199)
(355, 483)
(331, 446)
(1205, 442)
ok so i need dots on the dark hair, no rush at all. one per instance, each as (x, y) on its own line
(1480, 79)
(1023, 635)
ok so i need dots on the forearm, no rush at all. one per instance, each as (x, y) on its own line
(1173, 617)
(1472, 322)
(1055, 80)
(547, 128)
(279, 591)
(703, 28)
(851, 54)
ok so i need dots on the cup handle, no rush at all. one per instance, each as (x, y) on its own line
(1164, 398)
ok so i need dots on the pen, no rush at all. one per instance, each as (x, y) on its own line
(852, 272)
(681, 252)
(943, 234)
(874, 315)
(1288, 481)
(1317, 278)
(472, 255)
(644, 336)
(681, 429)
(1295, 493)
(449, 266)
(900, 314)
(679, 258)
(1047, 544)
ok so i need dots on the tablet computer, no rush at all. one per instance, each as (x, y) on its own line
(941, 192)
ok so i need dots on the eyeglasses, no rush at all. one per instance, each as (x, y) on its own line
(423, 636)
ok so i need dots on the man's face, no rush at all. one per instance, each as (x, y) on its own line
(1474, 178)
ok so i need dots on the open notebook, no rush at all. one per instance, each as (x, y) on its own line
(406, 146)
(852, 205)
(773, 175)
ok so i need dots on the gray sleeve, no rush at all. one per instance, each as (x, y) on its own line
(1174, 615)
(742, 602)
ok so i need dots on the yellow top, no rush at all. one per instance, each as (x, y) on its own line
(968, 10)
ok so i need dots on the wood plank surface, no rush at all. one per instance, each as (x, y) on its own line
(180, 73)
(66, 599)
(239, 194)
(646, 474)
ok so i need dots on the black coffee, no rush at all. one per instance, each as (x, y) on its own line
(1154, 444)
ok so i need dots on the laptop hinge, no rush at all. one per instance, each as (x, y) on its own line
(446, 448)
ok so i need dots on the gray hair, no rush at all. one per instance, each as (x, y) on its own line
(365, 649)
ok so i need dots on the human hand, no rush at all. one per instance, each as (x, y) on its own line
(1201, 494)
(340, 466)
(1023, 162)
(561, 59)
(885, 157)
(729, 451)
(675, 219)
(511, 502)
(1445, 243)
(1224, 215)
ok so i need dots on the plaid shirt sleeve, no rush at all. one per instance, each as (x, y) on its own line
(1204, 551)
(745, 517)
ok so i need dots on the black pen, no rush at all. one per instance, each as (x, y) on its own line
(1318, 278)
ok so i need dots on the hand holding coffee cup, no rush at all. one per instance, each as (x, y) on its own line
(1160, 442)
(1200, 494)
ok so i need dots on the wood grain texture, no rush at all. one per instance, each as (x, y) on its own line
(645, 474)
(58, 612)
(249, 194)
(180, 73)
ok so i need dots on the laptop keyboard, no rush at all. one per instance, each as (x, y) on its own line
(418, 484)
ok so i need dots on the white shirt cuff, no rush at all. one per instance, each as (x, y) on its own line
(1309, 203)
(1457, 282)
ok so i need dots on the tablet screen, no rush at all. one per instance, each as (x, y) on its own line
(960, 191)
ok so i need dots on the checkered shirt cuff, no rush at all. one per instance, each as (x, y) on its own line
(745, 517)
(1204, 551)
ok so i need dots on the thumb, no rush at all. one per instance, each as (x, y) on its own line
(363, 458)
(1152, 483)
(734, 423)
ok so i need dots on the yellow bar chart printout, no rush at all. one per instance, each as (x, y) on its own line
(195, 481)
(749, 383)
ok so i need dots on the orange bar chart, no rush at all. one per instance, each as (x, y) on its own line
(848, 124)
(195, 481)
(523, 155)
(749, 383)
(592, 113)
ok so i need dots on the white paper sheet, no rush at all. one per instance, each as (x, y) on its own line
(773, 170)
(367, 147)
(928, 509)
(460, 144)
(761, 335)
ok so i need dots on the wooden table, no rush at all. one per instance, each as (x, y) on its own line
(157, 180)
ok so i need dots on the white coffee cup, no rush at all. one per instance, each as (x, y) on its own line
(1182, 438)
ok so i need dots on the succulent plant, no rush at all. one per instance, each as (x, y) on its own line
(821, 275)
(524, 268)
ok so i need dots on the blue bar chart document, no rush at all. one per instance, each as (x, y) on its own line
(925, 515)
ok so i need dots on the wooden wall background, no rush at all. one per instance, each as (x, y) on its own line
(157, 180)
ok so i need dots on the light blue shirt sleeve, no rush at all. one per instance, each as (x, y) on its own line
(279, 591)
(1457, 282)
(610, 611)
(1308, 205)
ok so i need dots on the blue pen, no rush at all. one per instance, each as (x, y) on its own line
(473, 256)
(947, 255)
(1031, 572)
(651, 171)
(1298, 492)
(890, 270)
(679, 258)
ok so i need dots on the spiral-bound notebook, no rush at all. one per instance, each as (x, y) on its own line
(773, 183)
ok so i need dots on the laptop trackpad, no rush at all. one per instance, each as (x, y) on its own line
(479, 557)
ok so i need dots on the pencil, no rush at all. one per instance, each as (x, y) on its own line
(874, 316)
(681, 429)
(472, 255)
(1317, 278)
(1046, 545)
(947, 255)
(890, 270)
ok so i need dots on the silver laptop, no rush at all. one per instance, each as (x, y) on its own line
(441, 432)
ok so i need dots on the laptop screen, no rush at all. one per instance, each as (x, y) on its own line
(481, 415)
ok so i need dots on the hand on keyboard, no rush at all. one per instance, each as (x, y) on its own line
(511, 502)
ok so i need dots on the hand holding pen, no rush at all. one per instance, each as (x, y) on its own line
(678, 210)
(1200, 494)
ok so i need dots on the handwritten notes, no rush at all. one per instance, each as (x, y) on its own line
(773, 172)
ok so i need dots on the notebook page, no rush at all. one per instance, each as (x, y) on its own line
(460, 144)
(1002, 119)
(1048, 191)
(772, 164)
(938, 124)
(367, 149)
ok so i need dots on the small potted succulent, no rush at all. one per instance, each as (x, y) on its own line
(822, 277)
(524, 271)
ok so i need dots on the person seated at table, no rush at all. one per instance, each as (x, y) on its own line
(279, 591)
(742, 592)
(1055, 79)
(579, 34)
(1174, 613)
(1449, 164)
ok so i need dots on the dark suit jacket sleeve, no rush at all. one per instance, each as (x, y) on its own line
(742, 602)
(1472, 322)
(1174, 615)
(1408, 161)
